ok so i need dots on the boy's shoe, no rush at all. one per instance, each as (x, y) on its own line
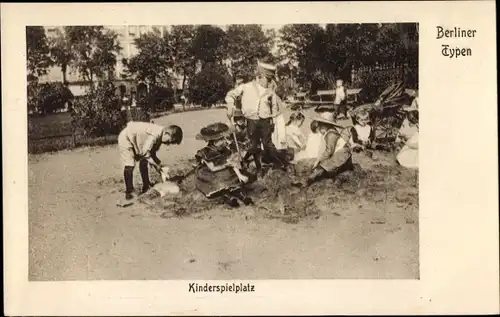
(298, 182)
(129, 196)
(247, 201)
(145, 189)
(244, 198)
(231, 201)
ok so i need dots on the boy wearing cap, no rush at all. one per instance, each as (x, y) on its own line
(259, 104)
(139, 142)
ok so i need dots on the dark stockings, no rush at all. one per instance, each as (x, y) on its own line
(128, 176)
(143, 169)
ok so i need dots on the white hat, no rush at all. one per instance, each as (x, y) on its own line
(326, 117)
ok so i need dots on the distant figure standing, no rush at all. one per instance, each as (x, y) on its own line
(133, 101)
(340, 101)
(184, 101)
(125, 102)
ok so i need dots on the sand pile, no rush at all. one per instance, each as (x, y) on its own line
(276, 198)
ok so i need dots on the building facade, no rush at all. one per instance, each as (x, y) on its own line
(126, 36)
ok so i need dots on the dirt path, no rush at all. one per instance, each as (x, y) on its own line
(77, 232)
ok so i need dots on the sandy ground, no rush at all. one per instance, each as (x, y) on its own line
(78, 233)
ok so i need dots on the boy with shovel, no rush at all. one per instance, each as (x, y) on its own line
(139, 142)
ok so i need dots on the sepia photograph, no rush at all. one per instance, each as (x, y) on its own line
(239, 151)
(250, 158)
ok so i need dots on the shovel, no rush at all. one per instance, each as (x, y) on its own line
(169, 186)
(160, 189)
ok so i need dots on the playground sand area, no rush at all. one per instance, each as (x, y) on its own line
(76, 231)
(372, 183)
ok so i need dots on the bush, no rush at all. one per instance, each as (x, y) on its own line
(32, 94)
(98, 112)
(285, 88)
(210, 85)
(47, 98)
(143, 102)
(162, 98)
(137, 114)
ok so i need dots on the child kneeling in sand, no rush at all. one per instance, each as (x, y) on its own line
(313, 144)
(219, 173)
(139, 142)
(337, 154)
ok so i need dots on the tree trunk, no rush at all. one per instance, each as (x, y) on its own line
(64, 69)
(175, 93)
(152, 101)
(183, 90)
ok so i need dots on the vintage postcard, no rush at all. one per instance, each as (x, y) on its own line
(250, 158)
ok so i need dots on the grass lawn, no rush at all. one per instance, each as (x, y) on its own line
(54, 133)
(50, 125)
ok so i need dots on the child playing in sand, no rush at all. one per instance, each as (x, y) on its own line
(313, 144)
(219, 173)
(336, 157)
(362, 138)
(295, 139)
(139, 142)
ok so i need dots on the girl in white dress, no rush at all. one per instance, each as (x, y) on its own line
(314, 144)
(279, 134)
(362, 132)
(295, 139)
(408, 156)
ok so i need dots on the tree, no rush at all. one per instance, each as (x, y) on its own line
(154, 60)
(33, 90)
(47, 98)
(303, 45)
(181, 40)
(209, 45)
(246, 45)
(210, 85)
(98, 112)
(37, 52)
(61, 52)
(53, 97)
(94, 50)
(343, 45)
